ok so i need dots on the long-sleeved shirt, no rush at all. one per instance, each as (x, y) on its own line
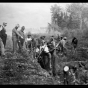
(15, 33)
(63, 42)
(22, 34)
(3, 32)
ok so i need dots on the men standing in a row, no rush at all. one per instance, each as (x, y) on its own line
(15, 35)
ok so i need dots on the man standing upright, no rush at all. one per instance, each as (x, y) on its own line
(62, 44)
(3, 34)
(28, 42)
(20, 40)
(3, 37)
(2, 50)
(74, 42)
(15, 35)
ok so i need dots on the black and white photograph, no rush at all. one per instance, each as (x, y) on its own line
(43, 43)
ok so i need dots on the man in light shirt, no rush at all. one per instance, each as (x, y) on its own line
(45, 48)
(28, 41)
(15, 35)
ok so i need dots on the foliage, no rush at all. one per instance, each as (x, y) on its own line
(72, 18)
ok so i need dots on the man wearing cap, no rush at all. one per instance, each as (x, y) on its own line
(15, 35)
(21, 40)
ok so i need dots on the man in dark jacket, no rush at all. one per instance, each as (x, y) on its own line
(3, 34)
(3, 37)
(74, 42)
(2, 49)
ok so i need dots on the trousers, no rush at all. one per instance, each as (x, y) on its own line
(20, 44)
(2, 49)
(14, 40)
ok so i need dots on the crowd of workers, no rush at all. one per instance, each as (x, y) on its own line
(44, 51)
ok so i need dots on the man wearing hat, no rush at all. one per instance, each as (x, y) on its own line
(20, 40)
(15, 35)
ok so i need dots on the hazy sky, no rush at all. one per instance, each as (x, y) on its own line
(30, 15)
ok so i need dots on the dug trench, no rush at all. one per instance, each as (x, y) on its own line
(22, 69)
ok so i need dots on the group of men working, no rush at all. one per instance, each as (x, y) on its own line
(44, 50)
(17, 38)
